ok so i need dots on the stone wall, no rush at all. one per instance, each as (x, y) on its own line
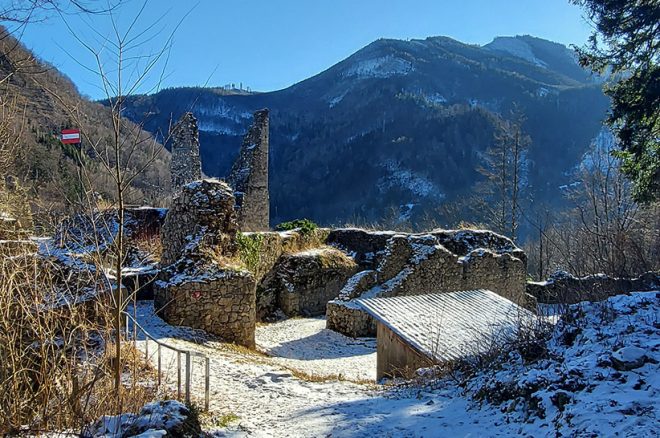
(302, 283)
(563, 288)
(200, 285)
(249, 177)
(201, 216)
(186, 165)
(415, 264)
(363, 245)
(221, 305)
(261, 253)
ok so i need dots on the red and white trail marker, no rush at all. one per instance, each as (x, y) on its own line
(70, 136)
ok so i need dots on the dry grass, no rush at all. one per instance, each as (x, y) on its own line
(149, 244)
(214, 421)
(56, 372)
(325, 378)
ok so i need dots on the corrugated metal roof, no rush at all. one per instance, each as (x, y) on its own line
(448, 326)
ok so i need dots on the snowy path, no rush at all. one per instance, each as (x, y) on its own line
(270, 402)
(263, 394)
(304, 344)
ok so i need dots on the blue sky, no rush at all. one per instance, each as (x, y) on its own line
(271, 44)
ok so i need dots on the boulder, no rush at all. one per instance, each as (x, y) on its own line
(628, 358)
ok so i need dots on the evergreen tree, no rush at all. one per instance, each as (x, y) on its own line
(625, 43)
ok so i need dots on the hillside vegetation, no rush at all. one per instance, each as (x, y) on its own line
(38, 101)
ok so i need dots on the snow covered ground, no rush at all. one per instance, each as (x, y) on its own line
(304, 344)
(576, 389)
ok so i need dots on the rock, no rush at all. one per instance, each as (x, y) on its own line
(169, 418)
(628, 358)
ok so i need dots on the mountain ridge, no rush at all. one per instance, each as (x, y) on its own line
(391, 115)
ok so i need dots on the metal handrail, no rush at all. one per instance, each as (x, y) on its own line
(189, 354)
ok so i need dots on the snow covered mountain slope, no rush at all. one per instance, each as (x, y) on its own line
(421, 112)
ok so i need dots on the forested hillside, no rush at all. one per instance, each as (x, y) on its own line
(37, 102)
(399, 130)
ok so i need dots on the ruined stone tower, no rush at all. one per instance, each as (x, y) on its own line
(186, 165)
(249, 176)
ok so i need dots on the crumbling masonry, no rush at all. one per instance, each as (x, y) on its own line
(249, 177)
(398, 264)
(186, 165)
(198, 286)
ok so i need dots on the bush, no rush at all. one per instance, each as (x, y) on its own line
(249, 249)
(305, 226)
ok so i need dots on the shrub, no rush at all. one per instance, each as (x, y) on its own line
(249, 249)
(305, 226)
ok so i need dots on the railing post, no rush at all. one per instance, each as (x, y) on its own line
(207, 383)
(159, 368)
(146, 347)
(188, 376)
(178, 375)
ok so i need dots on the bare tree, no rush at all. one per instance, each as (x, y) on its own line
(604, 231)
(122, 71)
(504, 171)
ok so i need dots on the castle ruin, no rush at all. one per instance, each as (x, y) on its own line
(249, 176)
(186, 165)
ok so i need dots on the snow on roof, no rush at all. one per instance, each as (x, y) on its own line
(449, 326)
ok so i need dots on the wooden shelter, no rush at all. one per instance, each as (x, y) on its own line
(422, 330)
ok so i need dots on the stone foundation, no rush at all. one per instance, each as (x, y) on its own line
(565, 289)
(223, 306)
